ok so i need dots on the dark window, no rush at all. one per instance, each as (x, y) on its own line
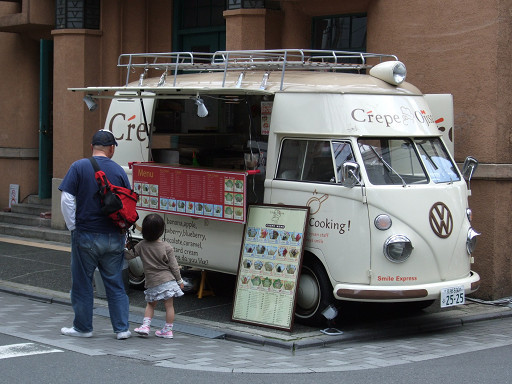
(84, 14)
(237, 4)
(340, 33)
(199, 25)
(202, 13)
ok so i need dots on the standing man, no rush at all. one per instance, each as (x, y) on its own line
(95, 241)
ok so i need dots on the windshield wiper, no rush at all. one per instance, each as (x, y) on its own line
(428, 156)
(436, 167)
(388, 167)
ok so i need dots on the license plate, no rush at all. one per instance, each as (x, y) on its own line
(452, 296)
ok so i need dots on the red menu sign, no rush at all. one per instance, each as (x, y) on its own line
(211, 194)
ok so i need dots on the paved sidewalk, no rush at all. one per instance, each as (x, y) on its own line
(303, 338)
(40, 322)
(34, 286)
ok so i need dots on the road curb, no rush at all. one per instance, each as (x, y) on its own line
(35, 296)
(386, 329)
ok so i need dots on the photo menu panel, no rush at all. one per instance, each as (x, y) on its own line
(269, 266)
(193, 192)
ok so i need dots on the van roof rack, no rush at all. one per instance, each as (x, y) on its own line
(263, 60)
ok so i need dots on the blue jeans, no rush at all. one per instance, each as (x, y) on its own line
(104, 251)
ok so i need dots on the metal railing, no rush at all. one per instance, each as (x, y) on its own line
(262, 60)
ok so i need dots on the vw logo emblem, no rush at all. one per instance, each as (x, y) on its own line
(441, 220)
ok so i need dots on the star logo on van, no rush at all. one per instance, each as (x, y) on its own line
(441, 220)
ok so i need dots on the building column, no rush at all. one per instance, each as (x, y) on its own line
(76, 64)
(252, 29)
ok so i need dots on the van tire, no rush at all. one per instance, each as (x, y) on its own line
(136, 282)
(314, 293)
(136, 275)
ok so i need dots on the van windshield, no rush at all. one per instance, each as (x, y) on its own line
(439, 166)
(402, 161)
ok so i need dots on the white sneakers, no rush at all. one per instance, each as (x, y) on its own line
(73, 332)
(123, 335)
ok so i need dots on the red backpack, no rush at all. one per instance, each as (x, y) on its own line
(118, 203)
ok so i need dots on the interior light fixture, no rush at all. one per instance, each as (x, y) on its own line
(201, 108)
(91, 104)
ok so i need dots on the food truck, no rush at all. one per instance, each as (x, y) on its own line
(204, 136)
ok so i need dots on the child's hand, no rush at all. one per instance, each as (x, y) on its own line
(182, 286)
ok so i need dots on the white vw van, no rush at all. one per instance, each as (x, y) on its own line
(339, 132)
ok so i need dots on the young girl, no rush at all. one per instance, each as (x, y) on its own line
(163, 278)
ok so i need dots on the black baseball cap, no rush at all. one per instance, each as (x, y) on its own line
(104, 138)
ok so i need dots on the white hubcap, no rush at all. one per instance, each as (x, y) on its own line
(307, 294)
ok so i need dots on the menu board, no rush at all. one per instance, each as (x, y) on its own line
(211, 194)
(269, 267)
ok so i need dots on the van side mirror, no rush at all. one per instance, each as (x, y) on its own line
(469, 167)
(350, 174)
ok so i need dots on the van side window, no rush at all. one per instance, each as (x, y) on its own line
(309, 160)
(319, 165)
(291, 159)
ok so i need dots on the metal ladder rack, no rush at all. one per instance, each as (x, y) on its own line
(263, 60)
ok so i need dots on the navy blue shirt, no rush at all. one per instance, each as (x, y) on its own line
(80, 182)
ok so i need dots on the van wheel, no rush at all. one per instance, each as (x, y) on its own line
(135, 278)
(314, 294)
(136, 275)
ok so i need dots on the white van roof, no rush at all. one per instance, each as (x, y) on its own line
(253, 72)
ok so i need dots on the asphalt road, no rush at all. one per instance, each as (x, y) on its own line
(37, 362)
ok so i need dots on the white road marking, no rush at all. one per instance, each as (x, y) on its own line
(25, 349)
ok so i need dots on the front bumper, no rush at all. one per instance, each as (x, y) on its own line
(396, 293)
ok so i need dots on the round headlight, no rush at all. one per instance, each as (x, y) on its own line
(398, 248)
(382, 222)
(471, 240)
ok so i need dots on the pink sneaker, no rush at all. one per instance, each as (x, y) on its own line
(142, 330)
(165, 333)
